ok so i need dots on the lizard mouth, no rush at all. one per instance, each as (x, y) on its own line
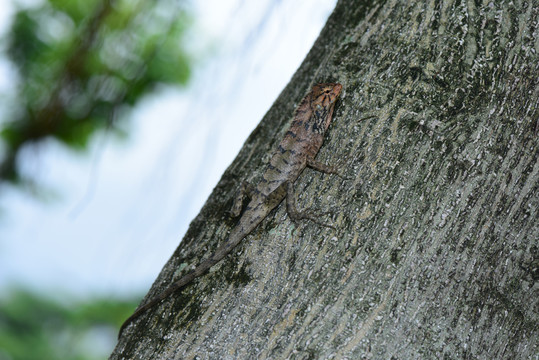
(337, 89)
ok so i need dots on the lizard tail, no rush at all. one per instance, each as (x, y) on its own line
(201, 269)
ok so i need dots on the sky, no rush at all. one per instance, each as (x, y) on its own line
(113, 216)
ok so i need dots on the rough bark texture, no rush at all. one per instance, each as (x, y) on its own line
(436, 252)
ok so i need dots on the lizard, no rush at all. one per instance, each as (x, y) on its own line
(296, 151)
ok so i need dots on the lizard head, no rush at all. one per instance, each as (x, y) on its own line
(326, 94)
(323, 101)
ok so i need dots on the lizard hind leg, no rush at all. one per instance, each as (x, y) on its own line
(297, 215)
(245, 189)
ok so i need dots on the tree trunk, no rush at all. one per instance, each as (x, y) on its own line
(435, 253)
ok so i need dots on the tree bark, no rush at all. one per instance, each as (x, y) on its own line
(436, 249)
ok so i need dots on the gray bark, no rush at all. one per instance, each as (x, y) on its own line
(436, 249)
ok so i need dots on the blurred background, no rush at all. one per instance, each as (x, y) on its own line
(117, 119)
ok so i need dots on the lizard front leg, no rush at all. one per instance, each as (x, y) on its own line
(327, 169)
(297, 215)
(319, 166)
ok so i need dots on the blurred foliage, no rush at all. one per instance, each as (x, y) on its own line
(81, 63)
(34, 327)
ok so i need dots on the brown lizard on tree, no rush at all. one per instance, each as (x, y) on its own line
(296, 151)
